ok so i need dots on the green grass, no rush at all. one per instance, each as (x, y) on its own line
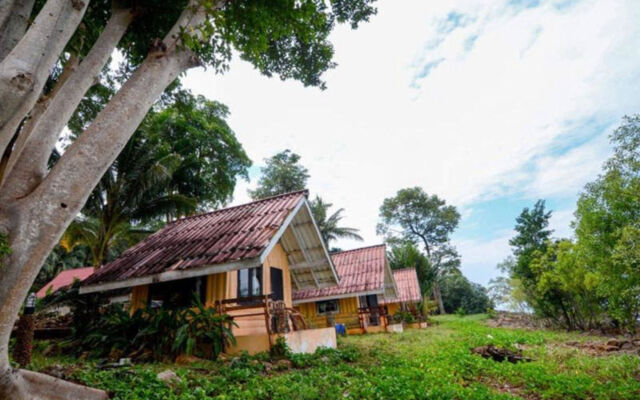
(433, 363)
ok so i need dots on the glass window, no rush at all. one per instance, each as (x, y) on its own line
(250, 282)
(243, 283)
(177, 294)
(327, 307)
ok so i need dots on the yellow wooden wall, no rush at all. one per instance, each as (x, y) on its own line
(277, 259)
(225, 285)
(139, 296)
(348, 313)
(393, 308)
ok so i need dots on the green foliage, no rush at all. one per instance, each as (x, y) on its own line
(428, 307)
(280, 349)
(61, 259)
(211, 158)
(460, 312)
(329, 226)
(158, 334)
(407, 255)
(532, 235)
(184, 158)
(607, 223)
(281, 174)
(459, 293)
(412, 215)
(433, 363)
(591, 281)
(404, 317)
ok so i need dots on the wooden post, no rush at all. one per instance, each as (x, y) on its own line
(267, 319)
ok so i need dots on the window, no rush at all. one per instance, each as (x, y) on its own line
(177, 294)
(327, 307)
(250, 282)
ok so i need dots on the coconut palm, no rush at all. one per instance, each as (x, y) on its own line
(132, 193)
(329, 224)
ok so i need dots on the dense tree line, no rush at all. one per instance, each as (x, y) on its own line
(593, 279)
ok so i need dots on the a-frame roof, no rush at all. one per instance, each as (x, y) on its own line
(361, 271)
(223, 240)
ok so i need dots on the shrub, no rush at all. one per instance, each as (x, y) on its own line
(404, 317)
(460, 312)
(280, 349)
(155, 333)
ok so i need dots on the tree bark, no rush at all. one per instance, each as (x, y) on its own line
(17, 384)
(15, 147)
(438, 296)
(24, 71)
(14, 19)
(36, 222)
(36, 141)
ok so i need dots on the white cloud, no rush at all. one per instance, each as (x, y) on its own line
(480, 124)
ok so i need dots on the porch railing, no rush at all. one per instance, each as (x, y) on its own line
(278, 318)
(372, 316)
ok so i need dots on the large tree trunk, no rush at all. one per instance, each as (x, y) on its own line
(24, 71)
(36, 222)
(14, 19)
(438, 296)
(36, 141)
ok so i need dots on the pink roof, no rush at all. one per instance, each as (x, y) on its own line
(231, 234)
(65, 278)
(407, 285)
(360, 271)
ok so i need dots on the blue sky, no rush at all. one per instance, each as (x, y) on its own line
(490, 104)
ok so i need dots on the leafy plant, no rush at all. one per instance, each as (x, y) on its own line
(460, 312)
(280, 349)
(404, 317)
(154, 333)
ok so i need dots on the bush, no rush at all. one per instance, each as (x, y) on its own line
(280, 349)
(155, 333)
(404, 317)
(460, 312)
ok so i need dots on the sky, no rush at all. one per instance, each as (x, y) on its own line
(489, 104)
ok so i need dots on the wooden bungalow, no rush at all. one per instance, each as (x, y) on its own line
(246, 260)
(365, 281)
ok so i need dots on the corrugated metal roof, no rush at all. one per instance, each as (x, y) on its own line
(407, 285)
(360, 270)
(222, 236)
(65, 278)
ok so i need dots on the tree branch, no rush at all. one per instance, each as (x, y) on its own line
(14, 19)
(32, 151)
(25, 70)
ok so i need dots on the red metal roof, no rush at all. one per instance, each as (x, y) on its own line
(407, 285)
(359, 270)
(231, 234)
(65, 278)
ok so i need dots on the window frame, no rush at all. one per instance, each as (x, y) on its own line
(336, 311)
(250, 284)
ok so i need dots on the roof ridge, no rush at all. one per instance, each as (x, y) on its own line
(305, 191)
(359, 248)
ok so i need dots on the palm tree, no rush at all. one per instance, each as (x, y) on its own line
(329, 225)
(134, 192)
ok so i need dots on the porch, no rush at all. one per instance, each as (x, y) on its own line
(260, 320)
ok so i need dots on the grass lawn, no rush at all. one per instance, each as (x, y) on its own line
(433, 363)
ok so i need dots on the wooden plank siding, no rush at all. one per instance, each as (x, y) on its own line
(347, 313)
(224, 286)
